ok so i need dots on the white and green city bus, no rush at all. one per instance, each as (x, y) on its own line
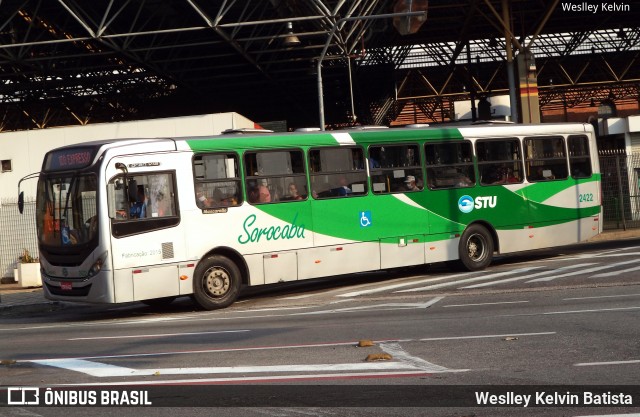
(152, 219)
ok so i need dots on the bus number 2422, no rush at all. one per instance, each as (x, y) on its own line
(585, 197)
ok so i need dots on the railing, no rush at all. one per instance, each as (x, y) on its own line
(18, 232)
(620, 190)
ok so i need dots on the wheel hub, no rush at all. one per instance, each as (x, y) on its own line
(217, 282)
(476, 247)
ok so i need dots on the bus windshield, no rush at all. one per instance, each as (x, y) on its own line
(66, 209)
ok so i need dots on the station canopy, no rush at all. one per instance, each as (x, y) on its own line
(71, 62)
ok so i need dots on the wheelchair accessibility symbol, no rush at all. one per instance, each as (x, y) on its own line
(365, 218)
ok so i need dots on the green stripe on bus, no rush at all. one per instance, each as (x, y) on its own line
(236, 142)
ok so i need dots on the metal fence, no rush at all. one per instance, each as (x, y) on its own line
(620, 200)
(17, 233)
(620, 189)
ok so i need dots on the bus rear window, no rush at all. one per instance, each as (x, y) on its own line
(579, 157)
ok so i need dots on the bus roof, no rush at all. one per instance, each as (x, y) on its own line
(263, 140)
(368, 136)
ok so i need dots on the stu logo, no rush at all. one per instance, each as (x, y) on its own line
(466, 204)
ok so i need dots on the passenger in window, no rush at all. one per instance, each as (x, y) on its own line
(410, 183)
(253, 194)
(292, 192)
(505, 176)
(463, 181)
(201, 199)
(542, 174)
(138, 209)
(264, 195)
(578, 173)
(343, 188)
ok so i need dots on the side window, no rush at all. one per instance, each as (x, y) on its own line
(144, 202)
(545, 158)
(499, 161)
(449, 165)
(275, 176)
(395, 168)
(337, 172)
(579, 157)
(217, 180)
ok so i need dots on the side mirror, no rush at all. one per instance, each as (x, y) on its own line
(21, 202)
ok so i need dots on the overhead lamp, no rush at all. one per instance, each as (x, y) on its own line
(291, 39)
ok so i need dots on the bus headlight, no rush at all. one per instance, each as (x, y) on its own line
(97, 266)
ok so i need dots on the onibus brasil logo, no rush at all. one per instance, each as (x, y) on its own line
(466, 204)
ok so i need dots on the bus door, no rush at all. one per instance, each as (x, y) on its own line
(146, 242)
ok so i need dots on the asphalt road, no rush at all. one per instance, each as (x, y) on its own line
(560, 318)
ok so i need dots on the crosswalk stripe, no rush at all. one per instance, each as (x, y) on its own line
(614, 273)
(584, 271)
(480, 278)
(502, 281)
(403, 284)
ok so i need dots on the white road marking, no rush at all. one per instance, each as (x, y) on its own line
(485, 304)
(231, 380)
(280, 347)
(403, 284)
(297, 297)
(601, 296)
(603, 254)
(484, 336)
(480, 278)
(615, 273)
(584, 271)
(607, 363)
(376, 307)
(613, 415)
(502, 281)
(398, 353)
(102, 370)
(158, 335)
(550, 313)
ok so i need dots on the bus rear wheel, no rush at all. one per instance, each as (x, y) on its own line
(475, 248)
(216, 282)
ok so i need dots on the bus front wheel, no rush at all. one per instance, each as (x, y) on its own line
(475, 248)
(216, 282)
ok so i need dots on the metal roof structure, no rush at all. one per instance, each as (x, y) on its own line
(68, 62)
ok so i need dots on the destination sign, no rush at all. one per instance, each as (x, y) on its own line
(72, 158)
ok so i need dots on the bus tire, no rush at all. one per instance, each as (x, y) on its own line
(475, 248)
(216, 282)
